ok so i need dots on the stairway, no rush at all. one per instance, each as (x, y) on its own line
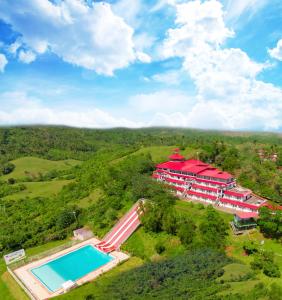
(121, 231)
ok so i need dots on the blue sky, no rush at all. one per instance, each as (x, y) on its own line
(202, 64)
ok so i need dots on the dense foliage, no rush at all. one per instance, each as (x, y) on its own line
(234, 152)
(117, 165)
(270, 222)
(189, 276)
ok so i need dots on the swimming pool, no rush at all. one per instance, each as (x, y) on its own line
(71, 266)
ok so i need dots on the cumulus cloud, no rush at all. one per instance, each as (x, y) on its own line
(169, 77)
(92, 37)
(13, 48)
(3, 62)
(277, 51)
(161, 101)
(27, 57)
(199, 25)
(229, 95)
(20, 108)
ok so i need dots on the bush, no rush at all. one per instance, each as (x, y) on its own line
(250, 247)
(271, 270)
(159, 247)
(257, 263)
(11, 180)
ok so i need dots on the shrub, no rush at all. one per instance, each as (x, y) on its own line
(159, 247)
(250, 247)
(271, 270)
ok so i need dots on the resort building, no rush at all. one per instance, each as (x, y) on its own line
(196, 180)
(243, 221)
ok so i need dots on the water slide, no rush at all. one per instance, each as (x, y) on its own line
(121, 231)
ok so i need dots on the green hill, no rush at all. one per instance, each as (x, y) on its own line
(33, 166)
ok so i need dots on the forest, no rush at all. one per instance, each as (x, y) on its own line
(96, 175)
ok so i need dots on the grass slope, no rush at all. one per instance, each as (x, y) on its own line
(33, 166)
(39, 189)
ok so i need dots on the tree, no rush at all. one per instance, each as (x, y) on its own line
(66, 218)
(213, 229)
(186, 231)
(170, 222)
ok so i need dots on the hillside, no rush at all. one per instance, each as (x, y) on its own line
(94, 180)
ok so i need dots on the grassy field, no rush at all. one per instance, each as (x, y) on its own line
(161, 153)
(33, 166)
(39, 189)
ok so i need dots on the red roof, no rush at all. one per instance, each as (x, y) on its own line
(238, 203)
(193, 166)
(215, 173)
(202, 195)
(236, 194)
(176, 156)
(197, 186)
(175, 174)
(247, 215)
(172, 165)
(211, 181)
(177, 188)
(174, 180)
(195, 169)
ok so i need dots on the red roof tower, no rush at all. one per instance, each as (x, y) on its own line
(176, 156)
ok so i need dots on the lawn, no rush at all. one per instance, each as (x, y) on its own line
(33, 166)
(161, 153)
(39, 189)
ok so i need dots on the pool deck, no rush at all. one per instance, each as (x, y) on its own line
(40, 292)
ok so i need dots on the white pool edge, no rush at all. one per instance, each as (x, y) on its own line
(40, 292)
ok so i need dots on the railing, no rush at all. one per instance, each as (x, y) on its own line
(44, 254)
(22, 285)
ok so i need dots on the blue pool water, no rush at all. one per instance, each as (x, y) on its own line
(71, 266)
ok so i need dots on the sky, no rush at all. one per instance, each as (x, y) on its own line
(206, 64)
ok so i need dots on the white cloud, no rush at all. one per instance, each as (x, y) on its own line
(169, 77)
(27, 57)
(161, 101)
(19, 108)
(237, 8)
(229, 95)
(199, 26)
(3, 62)
(90, 37)
(13, 48)
(277, 51)
(143, 57)
(129, 10)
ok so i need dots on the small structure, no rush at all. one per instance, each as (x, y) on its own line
(82, 234)
(14, 256)
(243, 221)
